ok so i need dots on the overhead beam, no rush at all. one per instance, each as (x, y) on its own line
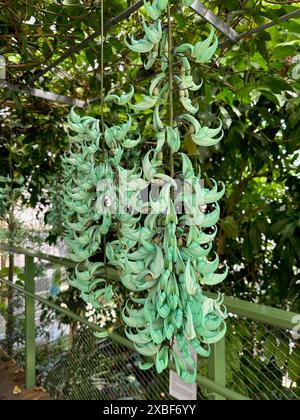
(284, 18)
(247, 34)
(39, 93)
(214, 20)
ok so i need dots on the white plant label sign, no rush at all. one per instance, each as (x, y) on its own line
(179, 389)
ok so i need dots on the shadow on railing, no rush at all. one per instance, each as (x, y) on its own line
(256, 361)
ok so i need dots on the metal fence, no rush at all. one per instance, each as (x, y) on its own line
(72, 364)
(259, 360)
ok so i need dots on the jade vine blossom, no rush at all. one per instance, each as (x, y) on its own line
(163, 254)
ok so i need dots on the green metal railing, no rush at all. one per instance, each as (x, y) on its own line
(214, 382)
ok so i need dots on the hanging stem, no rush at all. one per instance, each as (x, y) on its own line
(104, 242)
(58, 197)
(102, 73)
(171, 85)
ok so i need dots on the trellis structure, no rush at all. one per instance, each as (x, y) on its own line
(232, 37)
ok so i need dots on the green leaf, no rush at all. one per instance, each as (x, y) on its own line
(230, 227)
(288, 230)
(282, 353)
(283, 51)
(275, 84)
(233, 5)
(258, 61)
(294, 365)
(279, 226)
(255, 237)
(270, 346)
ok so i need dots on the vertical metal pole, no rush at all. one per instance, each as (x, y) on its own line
(217, 367)
(30, 371)
(10, 324)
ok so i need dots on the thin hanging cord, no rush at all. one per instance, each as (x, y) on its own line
(102, 116)
(171, 98)
(102, 73)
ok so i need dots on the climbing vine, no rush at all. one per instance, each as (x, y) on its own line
(11, 191)
(160, 245)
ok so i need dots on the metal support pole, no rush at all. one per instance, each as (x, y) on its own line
(214, 20)
(30, 370)
(39, 93)
(10, 324)
(217, 367)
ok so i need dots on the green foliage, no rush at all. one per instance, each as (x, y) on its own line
(261, 362)
(294, 365)
(253, 87)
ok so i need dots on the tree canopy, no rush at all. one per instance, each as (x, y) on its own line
(252, 86)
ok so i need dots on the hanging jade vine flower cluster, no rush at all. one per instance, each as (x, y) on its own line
(90, 168)
(163, 249)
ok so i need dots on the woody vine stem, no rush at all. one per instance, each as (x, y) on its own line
(171, 84)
